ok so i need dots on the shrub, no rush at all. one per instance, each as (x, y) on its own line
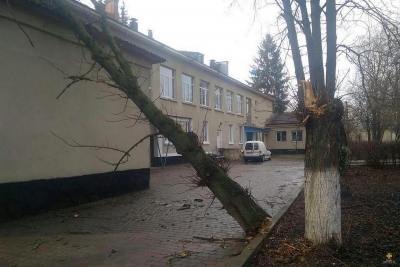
(344, 159)
(375, 154)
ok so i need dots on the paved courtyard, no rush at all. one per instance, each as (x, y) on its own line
(154, 227)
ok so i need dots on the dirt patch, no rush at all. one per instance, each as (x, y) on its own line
(370, 226)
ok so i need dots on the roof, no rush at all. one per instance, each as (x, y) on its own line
(89, 14)
(153, 58)
(284, 118)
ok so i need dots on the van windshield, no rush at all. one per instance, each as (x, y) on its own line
(249, 146)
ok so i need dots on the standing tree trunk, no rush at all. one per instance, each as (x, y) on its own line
(322, 177)
(234, 198)
(323, 115)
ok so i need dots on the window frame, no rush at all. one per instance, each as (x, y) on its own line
(297, 136)
(205, 133)
(204, 86)
(241, 134)
(187, 87)
(171, 82)
(218, 97)
(239, 100)
(279, 133)
(230, 131)
(229, 101)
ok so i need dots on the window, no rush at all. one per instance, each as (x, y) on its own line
(230, 134)
(251, 146)
(297, 136)
(187, 88)
(229, 102)
(205, 132)
(248, 111)
(239, 104)
(241, 135)
(280, 136)
(167, 82)
(204, 93)
(218, 97)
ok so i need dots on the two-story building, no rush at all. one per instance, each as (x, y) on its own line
(224, 112)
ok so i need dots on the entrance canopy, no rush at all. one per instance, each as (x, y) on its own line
(252, 129)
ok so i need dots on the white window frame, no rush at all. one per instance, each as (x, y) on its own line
(229, 101)
(280, 134)
(239, 104)
(167, 82)
(231, 141)
(296, 135)
(241, 134)
(218, 98)
(204, 98)
(187, 89)
(204, 133)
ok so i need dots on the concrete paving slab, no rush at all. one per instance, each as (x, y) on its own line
(148, 228)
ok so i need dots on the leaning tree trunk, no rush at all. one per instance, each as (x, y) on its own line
(322, 187)
(234, 198)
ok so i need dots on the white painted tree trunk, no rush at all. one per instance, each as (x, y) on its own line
(322, 205)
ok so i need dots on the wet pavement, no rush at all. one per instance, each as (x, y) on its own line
(154, 227)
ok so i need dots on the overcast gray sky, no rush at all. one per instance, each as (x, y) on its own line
(211, 27)
(224, 32)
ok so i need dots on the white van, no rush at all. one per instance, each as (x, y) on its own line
(256, 150)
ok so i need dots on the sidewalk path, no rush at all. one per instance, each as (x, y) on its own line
(145, 228)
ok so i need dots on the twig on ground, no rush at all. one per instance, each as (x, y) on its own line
(290, 246)
(37, 245)
(183, 254)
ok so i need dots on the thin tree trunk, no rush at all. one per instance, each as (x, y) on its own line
(294, 46)
(234, 198)
(319, 79)
(331, 42)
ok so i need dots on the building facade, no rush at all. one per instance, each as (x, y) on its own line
(37, 166)
(285, 135)
(223, 112)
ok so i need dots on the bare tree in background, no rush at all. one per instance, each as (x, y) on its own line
(235, 199)
(375, 87)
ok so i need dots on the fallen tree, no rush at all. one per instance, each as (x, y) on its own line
(234, 198)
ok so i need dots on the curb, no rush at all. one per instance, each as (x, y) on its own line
(246, 257)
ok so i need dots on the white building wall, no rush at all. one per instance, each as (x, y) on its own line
(29, 110)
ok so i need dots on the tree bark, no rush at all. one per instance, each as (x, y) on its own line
(322, 187)
(233, 197)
